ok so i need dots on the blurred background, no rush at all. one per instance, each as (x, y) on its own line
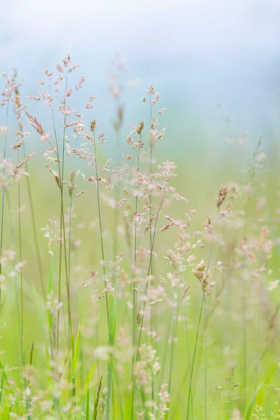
(215, 63)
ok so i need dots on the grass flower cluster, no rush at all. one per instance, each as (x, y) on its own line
(116, 301)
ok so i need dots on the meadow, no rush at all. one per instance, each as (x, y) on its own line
(128, 290)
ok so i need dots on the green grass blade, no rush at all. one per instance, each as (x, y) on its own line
(88, 406)
(3, 380)
(76, 351)
(261, 384)
(86, 387)
(94, 415)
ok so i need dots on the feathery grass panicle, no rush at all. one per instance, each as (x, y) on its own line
(179, 319)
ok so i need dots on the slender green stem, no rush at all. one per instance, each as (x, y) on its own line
(117, 198)
(3, 200)
(61, 169)
(194, 355)
(174, 329)
(101, 229)
(260, 309)
(150, 265)
(69, 273)
(20, 259)
(134, 315)
(110, 338)
(34, 228)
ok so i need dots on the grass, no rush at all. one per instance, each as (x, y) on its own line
(108, 310)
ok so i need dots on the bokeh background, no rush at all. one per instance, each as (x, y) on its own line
(215, 63)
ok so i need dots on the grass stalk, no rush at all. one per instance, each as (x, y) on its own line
(3, 200)
(194, 355)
